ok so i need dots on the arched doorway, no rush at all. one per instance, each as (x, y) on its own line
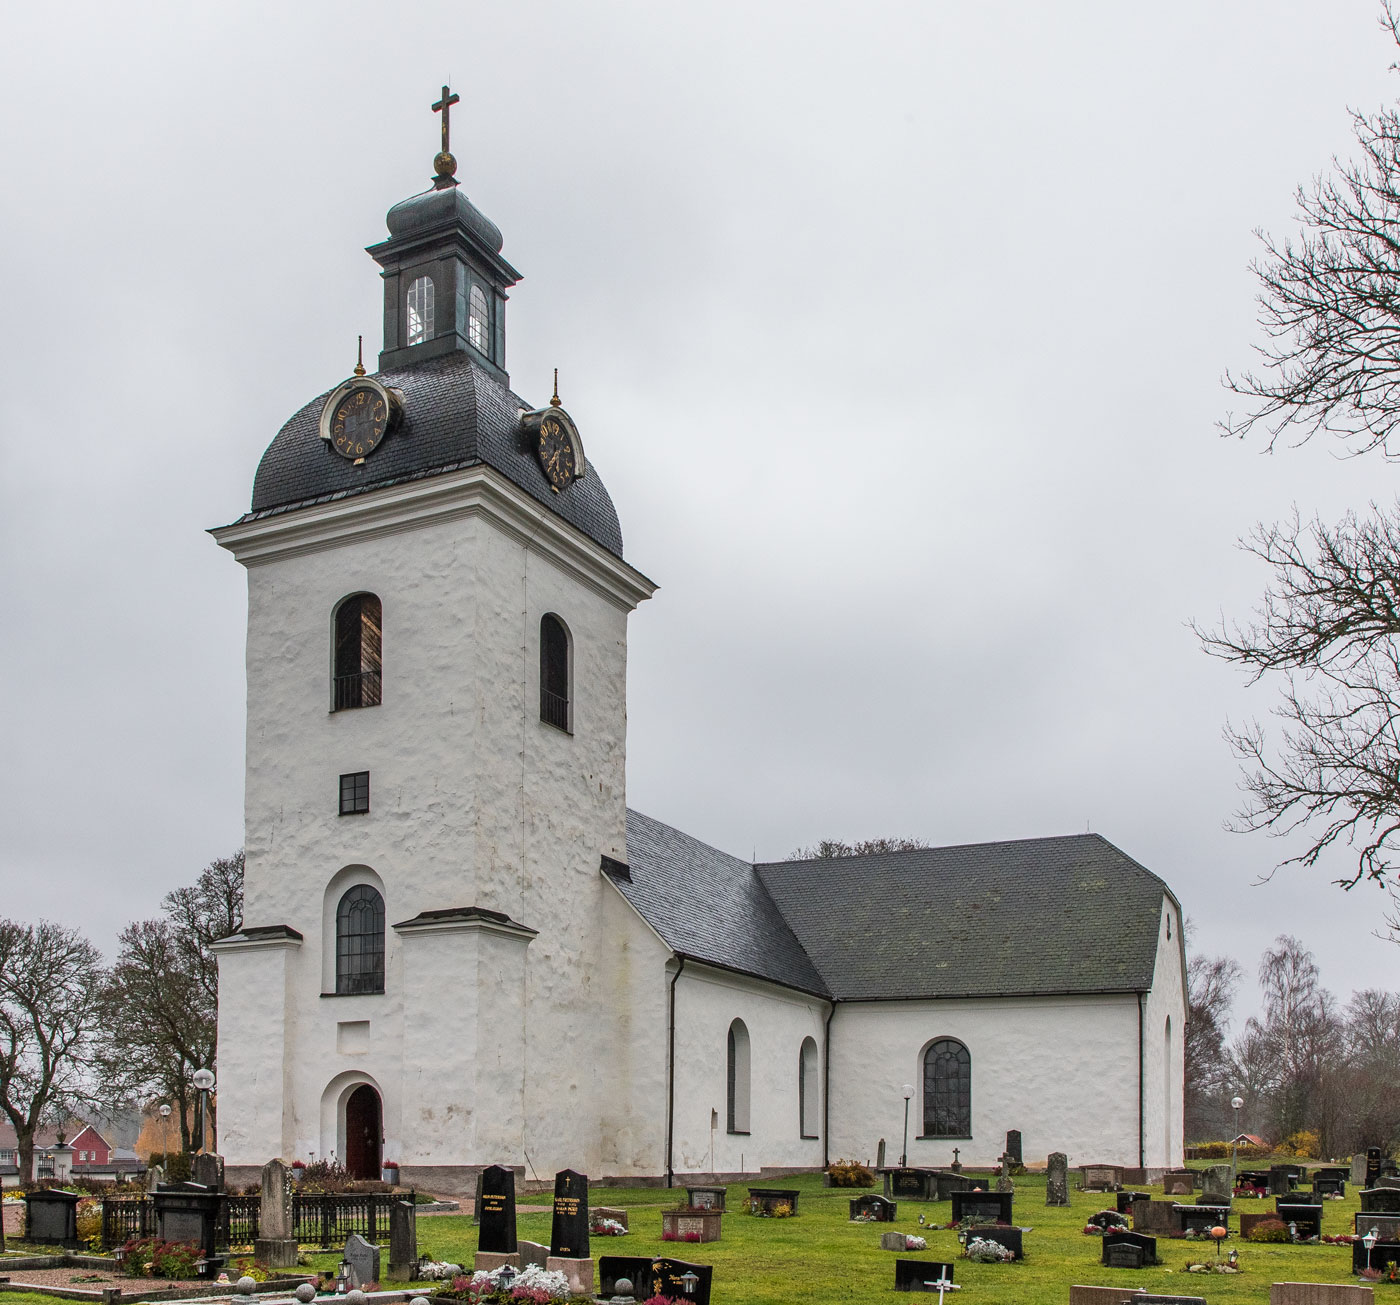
(364, 1128)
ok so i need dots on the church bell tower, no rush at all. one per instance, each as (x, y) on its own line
(436, 743)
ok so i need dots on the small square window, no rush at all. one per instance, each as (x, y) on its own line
(354, 793)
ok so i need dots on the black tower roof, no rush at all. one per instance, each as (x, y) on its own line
(458, 408)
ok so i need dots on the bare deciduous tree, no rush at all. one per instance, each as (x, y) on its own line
(1211, 982)
(1330, 303)
(830, 847)
(51, 980)
(1328, 627)
(164, 990)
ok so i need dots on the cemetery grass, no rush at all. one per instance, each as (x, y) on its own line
(820, 1254)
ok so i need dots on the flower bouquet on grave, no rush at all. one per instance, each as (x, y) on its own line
(437, 1269)
(983, 1250)
(912, 1243)
(1339, 1239)
(607, 1228)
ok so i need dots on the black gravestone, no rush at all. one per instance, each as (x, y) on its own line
(1253, 1178)
(1107, 1220)
(1306, 1218)
(988, 1207)
(912, 1184)
(668, 1278)
(1281, 1180)
(1381, 1255)
(704, 1198)
(497, 1211)
(635, 1268)
(1373, 1165)
(568, 1237)
(872, 1209)
(1126, 1199)
(1144, 1250)
(765, 1200)
(1385, 1226)
(191, 1215)
(1329, 1186)
(1003, 1236)
(1013, 1147)
(51, 1217)
(920, 1275)
(1201, 1217)
(1381, 1200)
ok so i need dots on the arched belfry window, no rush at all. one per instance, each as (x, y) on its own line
(737, 1075)
(359, 941)
(807, 1090)
(555, 707)
(359, 652)
(479, 321)
(947, 1089)
(420, 311)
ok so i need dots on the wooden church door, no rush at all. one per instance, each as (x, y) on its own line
(363, 1131)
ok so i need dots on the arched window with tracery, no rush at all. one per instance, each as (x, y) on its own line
(478, 321)
(420, 311)
(947, 1089)
(737, 1075)
(359, 652)
(555, 707)
(359, 941)
(808, 1091)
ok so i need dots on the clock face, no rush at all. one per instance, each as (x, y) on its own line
(557, 455)
(357, 421)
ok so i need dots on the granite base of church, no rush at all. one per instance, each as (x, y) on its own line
(488, 1261)
(276, 1252)
(578, 1272)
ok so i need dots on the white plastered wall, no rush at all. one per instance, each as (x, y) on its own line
(708, 1000)
(474, 802)
(1164, 1064)
(1063, 1070)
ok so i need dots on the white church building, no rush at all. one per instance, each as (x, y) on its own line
(461, 948)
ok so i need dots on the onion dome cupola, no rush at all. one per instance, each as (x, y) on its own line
(445, 281)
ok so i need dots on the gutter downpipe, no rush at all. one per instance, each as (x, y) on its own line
(1142, 1137)
(826, 1087)
(671, 1075)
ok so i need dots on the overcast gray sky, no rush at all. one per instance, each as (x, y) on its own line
(895, 330)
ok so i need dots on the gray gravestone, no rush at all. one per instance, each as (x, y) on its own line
(880, 1155)
(208, 1171)
(403, 1239)
(1217, 1189)
(155, 1176)
(1057, 1179)
(532, 1252)
(276, 1244)
(363, 1259)
(1358, 1170)
(894, 1241)
(1013, 1147)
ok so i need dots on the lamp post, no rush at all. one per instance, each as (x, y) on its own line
(204, 1081)
(1235, 1104)
(165, 1134)
(904, 1153)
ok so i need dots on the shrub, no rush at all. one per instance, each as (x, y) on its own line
(850, 1173)
(176, 1165)
(149, 1257)
(1305, 1144)
(1270, 1230)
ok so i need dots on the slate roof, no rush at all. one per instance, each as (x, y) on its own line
(710, 906)
(1040, 916)
(457, 414)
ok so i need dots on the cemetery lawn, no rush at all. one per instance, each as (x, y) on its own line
(821, 1255)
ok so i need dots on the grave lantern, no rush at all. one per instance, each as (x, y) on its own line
(507, 1277)
(689, 1281)
(1369, 1241)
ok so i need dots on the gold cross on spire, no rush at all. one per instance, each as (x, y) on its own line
(445, 166)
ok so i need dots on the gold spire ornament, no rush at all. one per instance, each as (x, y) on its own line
(360, 357)
(554, 401)
(444, 165)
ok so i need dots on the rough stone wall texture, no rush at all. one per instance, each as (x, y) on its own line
(474, 801)
(1063, 1070)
